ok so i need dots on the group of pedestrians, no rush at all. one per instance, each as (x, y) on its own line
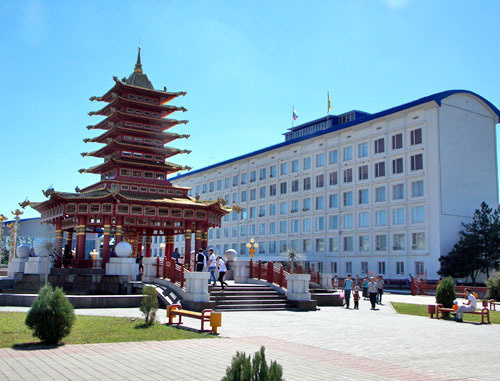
(372, 290)
(207, 260)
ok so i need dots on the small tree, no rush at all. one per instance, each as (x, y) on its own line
(51, 316)
(493, 285)
(149, 304)
(445, 293)
(243, 368)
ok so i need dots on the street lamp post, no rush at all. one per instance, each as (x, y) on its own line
(2, 220)
(252, 246)
(15, 228)
(162, 246)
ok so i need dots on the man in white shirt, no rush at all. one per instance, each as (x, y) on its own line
(211, 266)
(469, 306)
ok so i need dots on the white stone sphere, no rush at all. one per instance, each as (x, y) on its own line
(230, 255)
(123, 249)
(23, 251)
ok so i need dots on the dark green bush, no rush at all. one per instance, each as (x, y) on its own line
(493, 286)
(445, 293)
(243, 368)
(51, 316)
(149, 304)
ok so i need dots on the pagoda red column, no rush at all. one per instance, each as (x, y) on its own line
(69, 239)
(105, 239)
(58, 241)
(139, 245)
(198, 238)
(119, 230)
(204, 239)
(147, 245)
(170, 247)
(80, 238)
(187, 247)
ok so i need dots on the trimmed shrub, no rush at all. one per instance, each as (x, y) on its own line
(244, 368)
(51, 316)
(445, 293)
(493, 286)
(149, 304)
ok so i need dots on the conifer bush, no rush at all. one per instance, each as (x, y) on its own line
(149, 304)
(244, 368)
(51, 316)
(445, 293)
(493, 287)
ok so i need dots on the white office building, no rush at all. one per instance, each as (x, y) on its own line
(359, 192)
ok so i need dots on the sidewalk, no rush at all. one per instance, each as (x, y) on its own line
(332, 343)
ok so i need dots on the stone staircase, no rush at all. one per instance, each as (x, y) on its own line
(247, 297)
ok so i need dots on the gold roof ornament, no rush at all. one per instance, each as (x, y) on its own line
(17, 212)
(48, 192)
(25, 203)
(237, 208)
(222, 201)
(3, 218)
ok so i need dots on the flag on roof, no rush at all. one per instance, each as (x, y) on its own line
(329, 105)
(295, 115)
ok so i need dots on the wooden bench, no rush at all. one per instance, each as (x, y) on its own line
(485, 312)
(206, 316)
(493, 304)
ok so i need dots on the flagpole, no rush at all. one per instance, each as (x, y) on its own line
(327, 109)
(293, 110)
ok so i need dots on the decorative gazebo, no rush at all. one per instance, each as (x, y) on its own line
(133, 198)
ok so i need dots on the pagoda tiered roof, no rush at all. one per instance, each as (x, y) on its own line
(114, 105)
(120, 117)
(112, 162)
(114, 145)
(117, 130)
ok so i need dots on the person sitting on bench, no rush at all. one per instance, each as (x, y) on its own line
(469, 306)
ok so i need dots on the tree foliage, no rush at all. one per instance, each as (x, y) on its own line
(149, 304)
(478, 248)
(244, 368)
(493, 286)
(51, 316)
(445, 293)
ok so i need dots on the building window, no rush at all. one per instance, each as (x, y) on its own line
(320, 160)
(272, 209)
(283, 207)
(294, 226)
(398, 242)
(320, 181)
(219, 184)
(333, 201)
(262, 174)
(283, 187)
(364, 219)
(253, 212)
(227, 183)
(244, 196)
(364, 268)
(320, 202)
(379, 146)
(347, 153)
(398, 216)
(418, 241)
(333, 245)
(397, 166)
(363, 150)
(348, 175)
(381, 242)
(363, 172)
(295, 206)
(272, 247)
(397, 141)
(348, 267)
(235, 198)
(380, 194)
(253, 176)
(333, 178)
(306, 225)
(244, 178)
(419, 267)
(272, 228)
(364, 243)
(417, 214)
(236, 179)
(320, 245)
(363, 197)
(381, 218)
(211, 186)
(295, 185)
(417, 162)
(380, 169)
(272, 171)
(306, 245)
(283, 225)
(306, 204)
(347, 224)
(284, 169)
(243, 231)
(417, 188)
(272, 190)
(307, 183)
(348, 198)
(400, 268)
(307, 163)
(320, 224)
(381, 268)
(333, 222)
(416, 136)
(348, 246)
(398, 192)
(262, 229)
(262, 211)
(295, 165)
(333, 157)
(262, 192)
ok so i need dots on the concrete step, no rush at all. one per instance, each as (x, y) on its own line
(246, 297)
(253, 307)
(250, 301)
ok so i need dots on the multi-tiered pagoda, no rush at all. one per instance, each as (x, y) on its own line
(133, 198)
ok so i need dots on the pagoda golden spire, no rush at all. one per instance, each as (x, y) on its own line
(138, 65)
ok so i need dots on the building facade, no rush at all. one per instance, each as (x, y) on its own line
(358, 192)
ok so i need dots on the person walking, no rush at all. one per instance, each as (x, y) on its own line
(372, 291)
(212, 266)
(336, 282)
(365, 288)
(380, 288)
(347, 290)
(222, 271)
(356, 296)
(200, 261)
(175, 255)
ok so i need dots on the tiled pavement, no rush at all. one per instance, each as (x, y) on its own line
(330, 344)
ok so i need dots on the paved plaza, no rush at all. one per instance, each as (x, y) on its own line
(330, 344)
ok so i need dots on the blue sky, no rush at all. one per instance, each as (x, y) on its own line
(244, 65)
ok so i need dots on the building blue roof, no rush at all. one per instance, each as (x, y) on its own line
(438, 97)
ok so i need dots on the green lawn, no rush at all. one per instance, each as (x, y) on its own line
(92, 329)
(421, 310)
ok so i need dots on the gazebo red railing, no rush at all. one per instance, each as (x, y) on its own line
(268, 272)
(169, 270)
